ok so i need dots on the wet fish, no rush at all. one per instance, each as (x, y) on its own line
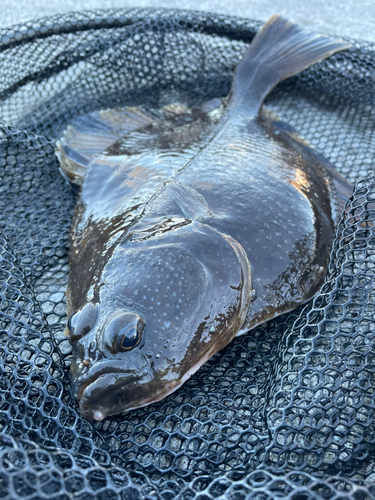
(192, 226)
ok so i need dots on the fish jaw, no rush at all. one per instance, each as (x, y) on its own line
(100, 398)
(97, 385)
(111, 393)
(114, 393)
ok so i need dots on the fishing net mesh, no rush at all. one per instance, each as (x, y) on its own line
(286, 411)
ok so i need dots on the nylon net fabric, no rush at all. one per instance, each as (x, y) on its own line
(285, 411)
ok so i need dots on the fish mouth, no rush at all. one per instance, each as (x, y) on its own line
(113, 392)
(106, 394)
(106, 386)
(80, 381)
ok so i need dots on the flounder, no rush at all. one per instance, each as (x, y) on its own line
(192, 226)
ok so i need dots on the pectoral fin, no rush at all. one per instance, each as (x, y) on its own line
(192, 203)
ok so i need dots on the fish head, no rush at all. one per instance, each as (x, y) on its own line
(165, 306)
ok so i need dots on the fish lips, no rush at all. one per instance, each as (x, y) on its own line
(108, 394)
(109, 386)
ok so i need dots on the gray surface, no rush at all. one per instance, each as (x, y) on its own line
(351, 18)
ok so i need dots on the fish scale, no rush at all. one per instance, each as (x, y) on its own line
(192, 227)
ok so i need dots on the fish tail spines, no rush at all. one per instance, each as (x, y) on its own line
(278, 51)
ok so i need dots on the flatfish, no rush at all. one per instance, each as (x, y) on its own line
(192, 226)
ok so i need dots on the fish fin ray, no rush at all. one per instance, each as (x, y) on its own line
(192, 203)
(278, 51)
(90, 134)
(73, 165)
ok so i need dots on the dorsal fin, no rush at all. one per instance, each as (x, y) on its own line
(90, 134)
(192, 203)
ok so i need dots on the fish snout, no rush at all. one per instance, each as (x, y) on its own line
(110, 386)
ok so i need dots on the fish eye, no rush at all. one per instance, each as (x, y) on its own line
(82, 321)
(130, 336)
(124, 332)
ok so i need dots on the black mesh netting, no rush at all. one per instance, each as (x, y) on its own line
(286, 411)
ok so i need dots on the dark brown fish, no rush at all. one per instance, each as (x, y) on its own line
(192, 226)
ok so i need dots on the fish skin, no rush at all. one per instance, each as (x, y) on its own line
(195, 227)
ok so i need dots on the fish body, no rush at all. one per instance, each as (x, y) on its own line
(192, 226)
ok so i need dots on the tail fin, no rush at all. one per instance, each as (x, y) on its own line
(279, 50)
